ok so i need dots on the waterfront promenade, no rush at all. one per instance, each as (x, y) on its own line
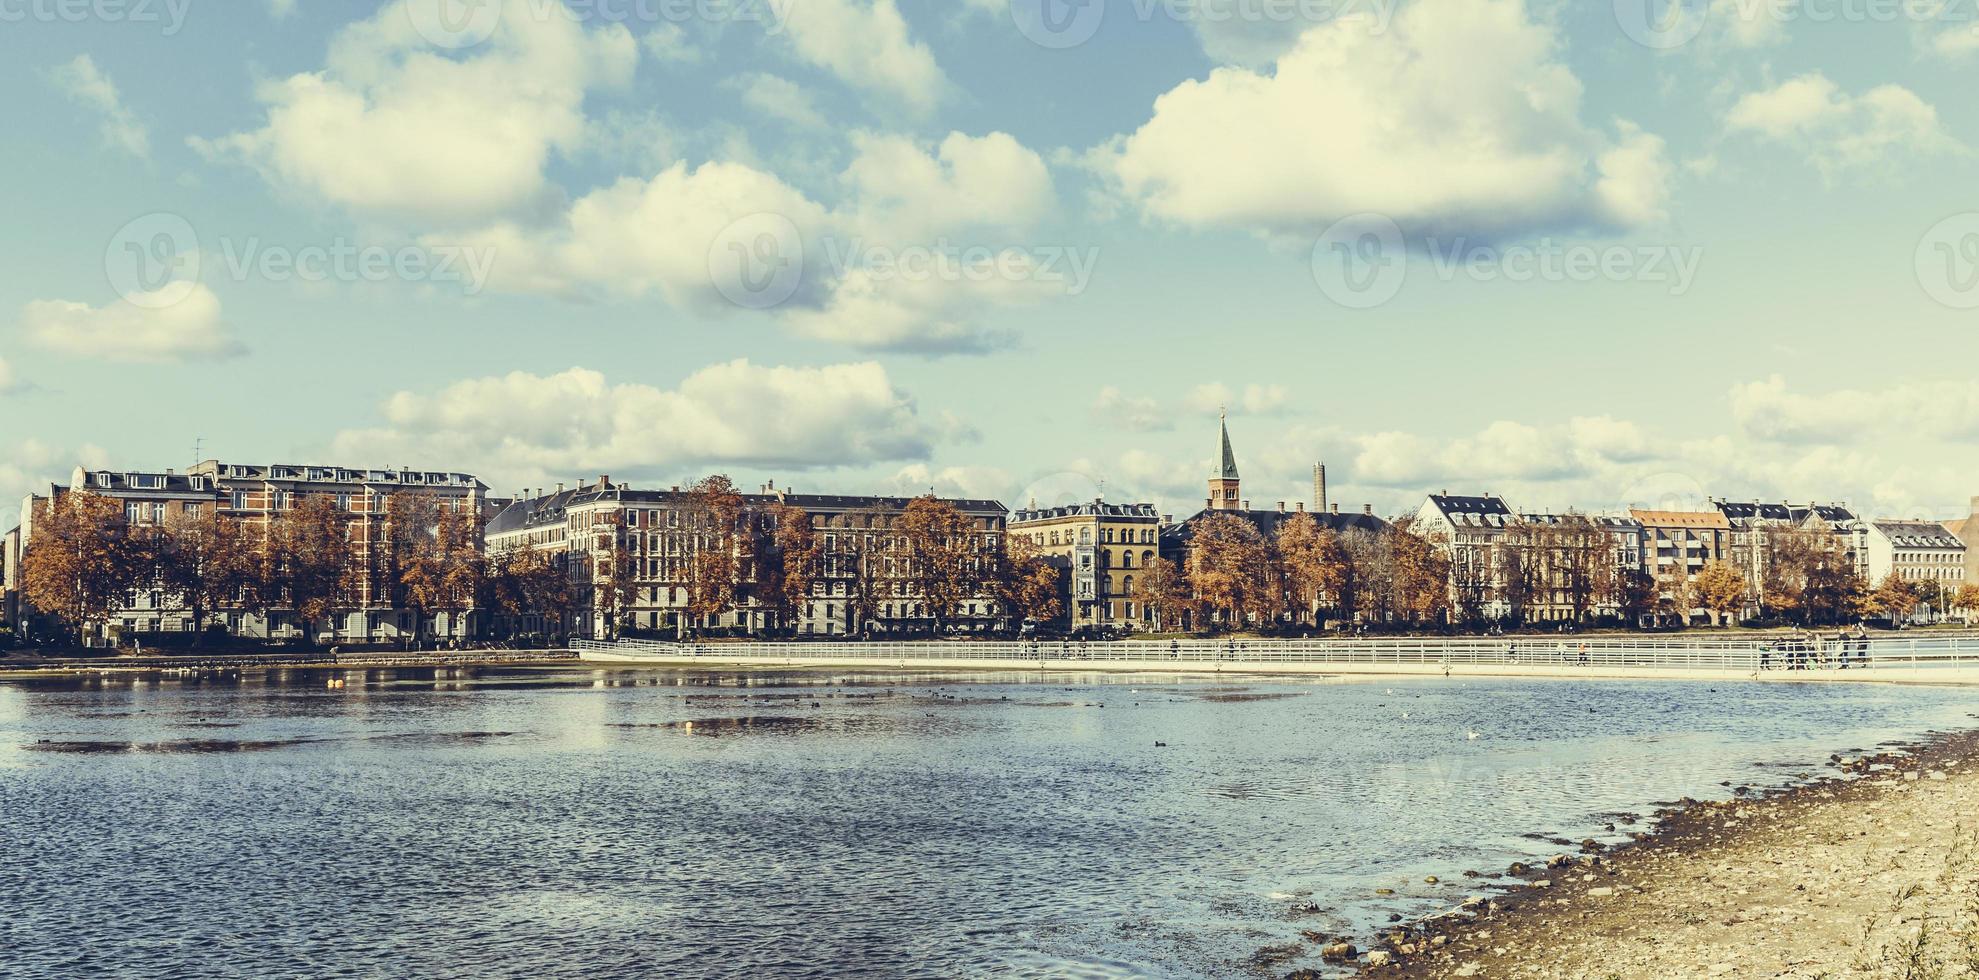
(1938, 658)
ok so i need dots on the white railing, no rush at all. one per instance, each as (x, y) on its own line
(1712, 653)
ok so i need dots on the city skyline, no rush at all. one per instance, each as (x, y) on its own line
(1760, 170)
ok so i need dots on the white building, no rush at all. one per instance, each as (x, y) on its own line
(1919, 552)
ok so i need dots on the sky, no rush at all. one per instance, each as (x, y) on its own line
(1586, 255)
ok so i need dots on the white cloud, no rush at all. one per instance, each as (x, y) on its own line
(905, 192)
(1457, 120)
(1752, 23)
(524, 428)
(1839, 132)
(669, 43)
(867, 44)
(396, 127)
(969, 482)
(1769, 410)
(31, 465)
(669, 235)
(281, 9)
(86, 84)
(1217, 397)
(156, 326)
(779, 98)
(1115, 409)
(638, 237)
(8, 382)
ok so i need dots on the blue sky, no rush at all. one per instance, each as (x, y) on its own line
(867, 245)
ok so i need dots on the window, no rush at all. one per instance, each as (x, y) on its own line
(133, 513)
(343, 501)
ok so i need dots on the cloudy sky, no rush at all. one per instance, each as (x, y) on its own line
(1585, 254)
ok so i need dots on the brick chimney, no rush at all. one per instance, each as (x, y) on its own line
(604, 483)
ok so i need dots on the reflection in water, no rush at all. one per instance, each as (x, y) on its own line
(530, 823)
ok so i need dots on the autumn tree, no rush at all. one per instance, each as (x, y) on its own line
(1162, 590)
(309, 559)
(860, 560)
(1028, 584)
(548, 589)
(81, 559)
(714, 517)
(786, 560)
(203, 560)
(400, 571)
(1966, 600)
(1720, 588)
(1421, 573)
(447, 575)
(1313, 564)
(1232, 570)
(941, 562)
(1894, 599)
(1674, 597)
(1631, 592)
(1810, 576)
(1584, 563)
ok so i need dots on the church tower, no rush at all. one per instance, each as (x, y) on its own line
(1225, 490)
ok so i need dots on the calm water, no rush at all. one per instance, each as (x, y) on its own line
(574, 823)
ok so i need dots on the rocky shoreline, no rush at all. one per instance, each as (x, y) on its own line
(1868, 870)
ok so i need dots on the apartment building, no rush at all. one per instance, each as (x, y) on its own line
(863, 584)
(252, 496)
(1101, 547)
(1923, 553)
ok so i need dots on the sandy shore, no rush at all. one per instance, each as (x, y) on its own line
(1871, 870)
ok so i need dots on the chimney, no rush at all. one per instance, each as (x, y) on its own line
(1367, 509)
(1302, 506)
(1209, 503)
(559, 488)
(1318, 487)
(1336, 508)
(1167, 519)
(604, 483)
(1245, 504)
(1443, 493)
(1281, 507)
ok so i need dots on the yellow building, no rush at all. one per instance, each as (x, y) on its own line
(1102, 547)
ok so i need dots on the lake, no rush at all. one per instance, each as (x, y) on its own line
(628, 823)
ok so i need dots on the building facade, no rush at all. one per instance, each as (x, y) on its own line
(1100, 547)
(863, 583)
(1923, 554)
(252, 496)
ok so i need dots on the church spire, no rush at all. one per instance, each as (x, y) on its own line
(1229, 471)
(1225, 489)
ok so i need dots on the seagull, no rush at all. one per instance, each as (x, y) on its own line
(1473, 736)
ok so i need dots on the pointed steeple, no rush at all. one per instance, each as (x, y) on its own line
(1229, 471)
(1225, 489)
